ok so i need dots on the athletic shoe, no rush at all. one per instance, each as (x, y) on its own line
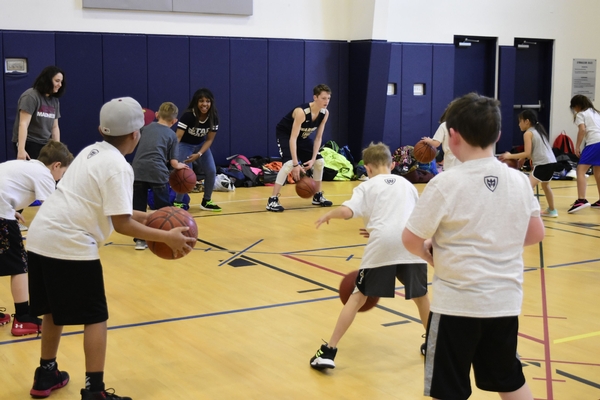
(181, 205)
(26, 325)
(424, 345)
(323, 358)
(596, 204)
(578, 205)
(45, 382)
(549, 213)
(141, 244)
(320, 200)
(273, 204)
(4, 318)
(104, 394)
(208, 205)
(22, 227)
(199, 188)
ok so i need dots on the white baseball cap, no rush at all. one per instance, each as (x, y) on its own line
(120, 117)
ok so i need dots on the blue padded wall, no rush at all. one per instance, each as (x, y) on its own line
(506, 95)
(285, 85)
(375, 107)
(38, 49)
(210, 68)
(80, 56)
(342, 94)
(248, 77)
(125, 66)
(168, 77)
(393, 116)
(5, 152)
(321, 65)
(358, 69)
(417, 60)
(442, 89)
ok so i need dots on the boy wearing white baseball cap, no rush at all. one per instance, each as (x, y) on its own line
(66, 283)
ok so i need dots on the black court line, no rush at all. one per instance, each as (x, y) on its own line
(395, 323)
(222, 214)
(309, 290)
(575, 233)
(578, 379)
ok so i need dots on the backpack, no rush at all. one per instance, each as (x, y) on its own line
(249, 175)
(564, 143)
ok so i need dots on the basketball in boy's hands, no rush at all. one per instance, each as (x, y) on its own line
(347, 287)
(424, 152)
(166, 219)
(306, 187)
(182, 180)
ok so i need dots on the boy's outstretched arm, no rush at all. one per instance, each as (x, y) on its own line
(341, 212)
(418, 246)
(535, 231)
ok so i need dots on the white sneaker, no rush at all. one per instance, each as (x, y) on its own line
(23, 227)
(141, 244)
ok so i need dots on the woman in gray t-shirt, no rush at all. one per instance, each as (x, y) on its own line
(38, 113)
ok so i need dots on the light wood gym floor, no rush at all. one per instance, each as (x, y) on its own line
(240, 317)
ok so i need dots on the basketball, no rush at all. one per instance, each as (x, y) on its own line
(423, 152)
(166, 219)
(347, 287)
(306, 187)
(182, 180)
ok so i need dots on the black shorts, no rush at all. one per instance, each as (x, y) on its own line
(380, 281)
(543, 173)
(71, 290)
(13, 257)
(455, 343)
(304, 148)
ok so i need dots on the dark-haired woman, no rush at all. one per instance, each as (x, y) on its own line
(38, 113)
(538, 149)
(196, 132)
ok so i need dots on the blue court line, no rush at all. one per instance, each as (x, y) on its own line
(575, 233)
(240, 253)
(574, 263)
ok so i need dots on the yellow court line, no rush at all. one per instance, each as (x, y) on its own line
(568, 339)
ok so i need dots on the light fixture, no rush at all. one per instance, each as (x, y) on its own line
(467, 42)
(525, 44)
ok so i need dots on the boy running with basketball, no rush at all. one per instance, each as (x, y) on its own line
(66, 283)
(479, 215)
(384, 202)
(156, 152)
(21, 183)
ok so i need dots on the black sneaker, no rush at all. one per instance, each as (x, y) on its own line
(208, 205)
(45, 382)
(578, 205)
(104, 394)
(596, 204)
(323, 358)
(424, 345)
(273, 204)
(320, 200)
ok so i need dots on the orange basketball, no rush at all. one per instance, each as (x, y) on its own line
(423, 152)
(182, 180)
(166, 219)
(347, 287)
(306, 187)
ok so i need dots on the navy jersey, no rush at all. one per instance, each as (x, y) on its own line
(194, 131)
(284, 127)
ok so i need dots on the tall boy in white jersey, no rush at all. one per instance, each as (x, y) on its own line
(66, 283)
(479, 215)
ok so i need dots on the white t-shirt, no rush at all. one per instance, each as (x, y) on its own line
(442, 136)
(75, 220)
(477, 215)
(384, 202)
(21, 183)
(591, 119)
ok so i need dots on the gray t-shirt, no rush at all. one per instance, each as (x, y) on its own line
(43, 109)
(158, 145)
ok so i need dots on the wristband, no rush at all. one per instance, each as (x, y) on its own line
(199, 154)
(297, 165)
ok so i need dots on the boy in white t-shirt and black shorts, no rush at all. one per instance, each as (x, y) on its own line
(66, 283)
(384, 202)
(479, 215)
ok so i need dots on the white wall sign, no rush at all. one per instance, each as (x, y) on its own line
(584, 78)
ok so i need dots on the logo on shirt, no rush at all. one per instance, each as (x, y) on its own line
(390, 181)
(46, 111)
(93, 153)
(491, 182)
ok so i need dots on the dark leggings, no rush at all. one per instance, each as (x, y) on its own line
(32, 148)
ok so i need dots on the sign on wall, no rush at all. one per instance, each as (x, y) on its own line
(584, 78)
